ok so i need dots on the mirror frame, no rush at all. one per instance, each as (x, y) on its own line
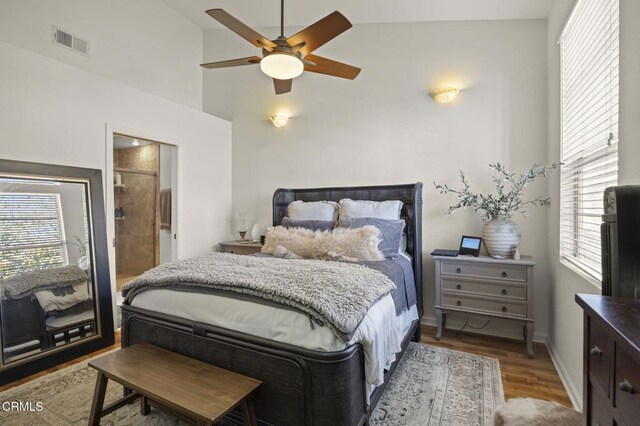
(102, 286)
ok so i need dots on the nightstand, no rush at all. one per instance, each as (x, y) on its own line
(486, 287)
(240, 247)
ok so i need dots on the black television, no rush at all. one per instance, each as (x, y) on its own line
(620, 238)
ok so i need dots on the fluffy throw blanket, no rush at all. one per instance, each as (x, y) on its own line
(349, 244)
(535, 412)
(59, 280)
(331, 293)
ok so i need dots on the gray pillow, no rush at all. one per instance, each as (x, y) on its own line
(314, 225)
(390, 231)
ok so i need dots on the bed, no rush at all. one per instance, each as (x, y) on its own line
(301, 386)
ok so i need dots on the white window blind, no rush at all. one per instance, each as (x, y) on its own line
(31, 233)
(589, 70)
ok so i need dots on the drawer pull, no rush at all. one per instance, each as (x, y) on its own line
(625, 386)
(459, 303)
(596, 351)
(458, 287)
(504, 309)
(504, 275)
(458, 270)
(504, 292)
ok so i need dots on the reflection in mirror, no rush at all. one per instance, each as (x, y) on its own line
(46, 272)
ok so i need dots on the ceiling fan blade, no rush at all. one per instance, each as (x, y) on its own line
(249, 60)
(282, 86)
(244, 31)
(315, 35)
(330, 67)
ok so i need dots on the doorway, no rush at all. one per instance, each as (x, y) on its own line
(144, 205)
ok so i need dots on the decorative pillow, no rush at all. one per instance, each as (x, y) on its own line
(313, 210)
(341, 244)
(390, 231)
(314, 225)
(364, 208)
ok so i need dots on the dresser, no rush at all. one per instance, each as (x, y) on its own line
(611, 360)
(240, 247)
(486, 287)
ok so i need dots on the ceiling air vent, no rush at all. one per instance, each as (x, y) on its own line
(68, 40)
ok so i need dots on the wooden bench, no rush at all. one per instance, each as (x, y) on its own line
(192, 390)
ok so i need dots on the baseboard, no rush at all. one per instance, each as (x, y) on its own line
(574, 395)
(453, 324)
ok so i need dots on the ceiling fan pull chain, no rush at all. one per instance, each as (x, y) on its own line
(281, 18)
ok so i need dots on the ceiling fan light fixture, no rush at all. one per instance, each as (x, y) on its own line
(281, 65)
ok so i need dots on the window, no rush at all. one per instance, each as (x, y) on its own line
(31, 233)
(589, 78)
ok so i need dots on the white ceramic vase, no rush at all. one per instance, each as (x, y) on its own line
(501, 237)
(255, 233)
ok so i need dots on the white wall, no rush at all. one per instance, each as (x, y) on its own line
(565, 331)
(51, 112)
(143, 43)
(383, 128)
(565, 325)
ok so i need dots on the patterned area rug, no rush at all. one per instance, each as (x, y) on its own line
(431, 386)
(437, 386)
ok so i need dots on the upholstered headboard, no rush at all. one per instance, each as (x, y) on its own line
(409, 194)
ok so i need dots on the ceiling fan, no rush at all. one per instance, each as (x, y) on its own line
(284, 58)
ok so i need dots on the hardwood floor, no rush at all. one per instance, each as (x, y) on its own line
(521, 376)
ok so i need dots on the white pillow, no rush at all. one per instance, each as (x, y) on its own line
(313, 210)
(364, 208)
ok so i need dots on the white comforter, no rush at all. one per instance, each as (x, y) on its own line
(380, 332)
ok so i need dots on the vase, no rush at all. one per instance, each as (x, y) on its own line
(501, 236)
(255, 233)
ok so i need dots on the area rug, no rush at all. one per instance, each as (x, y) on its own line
(432, 386)
(437, 386)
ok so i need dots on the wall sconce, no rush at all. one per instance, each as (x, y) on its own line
(279, 120)
(444, 95)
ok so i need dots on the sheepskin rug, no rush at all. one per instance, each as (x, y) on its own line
(535, 412)
(339, 244)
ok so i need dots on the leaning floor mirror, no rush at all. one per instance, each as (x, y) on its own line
(55, 291)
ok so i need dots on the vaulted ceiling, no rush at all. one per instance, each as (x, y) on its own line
(266, 13)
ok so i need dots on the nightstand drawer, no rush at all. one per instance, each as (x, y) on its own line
(516, 291)
(239, 247)
(494, 306)
(492, 271)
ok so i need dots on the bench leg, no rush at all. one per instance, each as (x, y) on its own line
(248, 413)
(144, 406)
(98, 399)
